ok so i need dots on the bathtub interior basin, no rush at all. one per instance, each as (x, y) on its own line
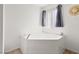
(44, 37)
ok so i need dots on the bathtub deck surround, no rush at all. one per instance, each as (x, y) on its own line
(42, 44)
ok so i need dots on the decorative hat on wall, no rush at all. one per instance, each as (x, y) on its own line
(74, 10)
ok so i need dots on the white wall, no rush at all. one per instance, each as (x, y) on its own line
(71, 29)
(20, 19)
(1, 27)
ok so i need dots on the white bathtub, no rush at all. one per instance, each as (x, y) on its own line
(42, 44)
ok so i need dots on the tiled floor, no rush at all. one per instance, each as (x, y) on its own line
(16, 51)
(66, 51)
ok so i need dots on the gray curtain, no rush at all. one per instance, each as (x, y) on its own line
(43, 17)
(59, 20)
